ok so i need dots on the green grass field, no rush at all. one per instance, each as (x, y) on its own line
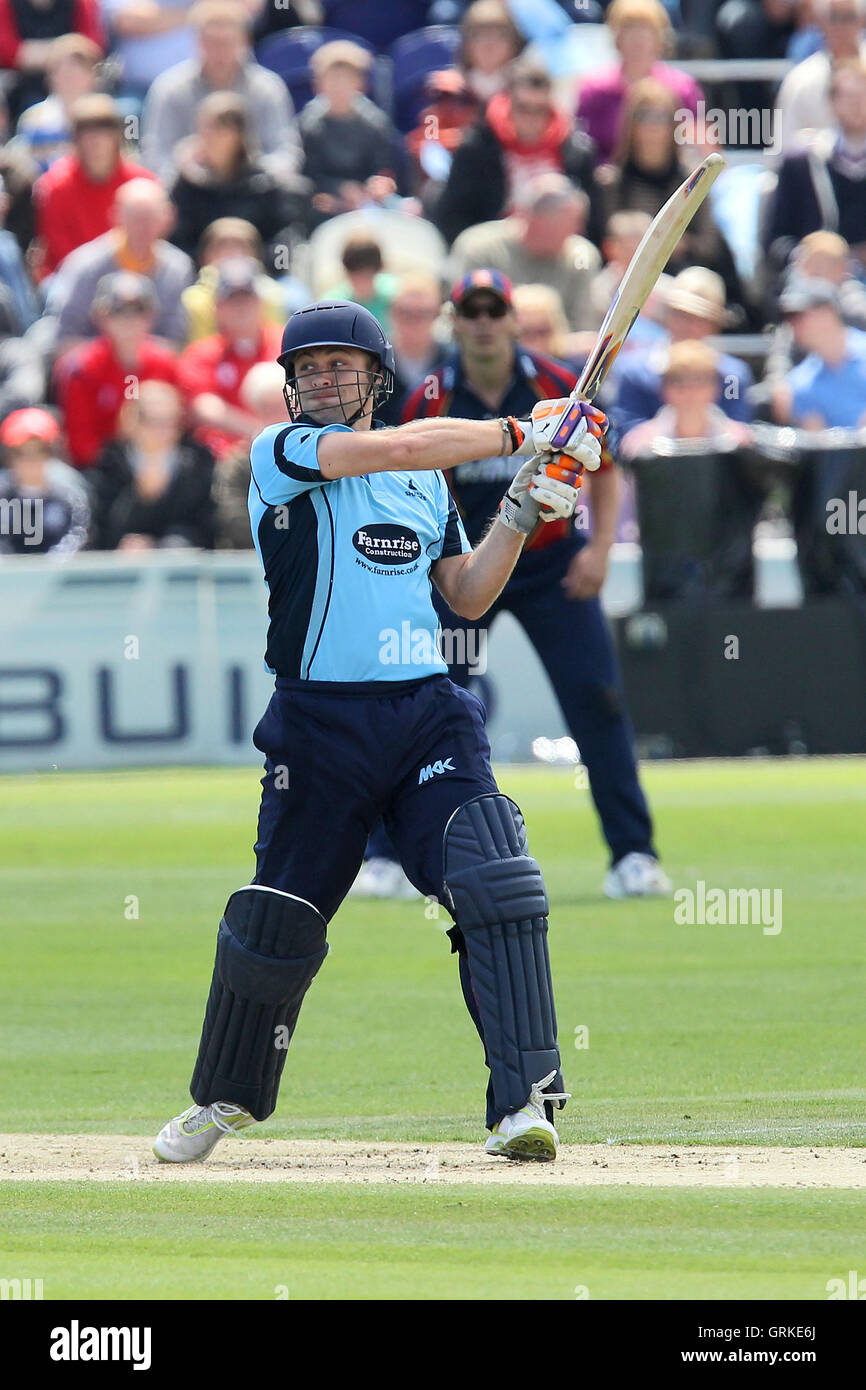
(112, 886)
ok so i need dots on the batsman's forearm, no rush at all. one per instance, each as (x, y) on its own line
(485, 571)
(446, 443)
(419, 446)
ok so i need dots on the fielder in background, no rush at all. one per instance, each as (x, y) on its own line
(554, 589)
(352, 524)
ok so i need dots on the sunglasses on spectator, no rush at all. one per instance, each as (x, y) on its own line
(491, 309)
(842, 17)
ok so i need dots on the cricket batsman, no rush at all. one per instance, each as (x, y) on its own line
(352, 524)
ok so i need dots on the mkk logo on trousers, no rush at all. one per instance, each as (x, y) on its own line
(435, 769)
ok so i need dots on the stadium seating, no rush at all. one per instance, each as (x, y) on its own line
(413, 58)
(289, 55)
(412, 244)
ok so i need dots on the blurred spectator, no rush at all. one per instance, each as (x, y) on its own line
(263, 399)
(352, 153)
(14, 280)
(367, 281)
(211, 371)
(807, 37)
(540, 244)
(74, 199)
(152, 487)
(642, 33)
(227, 237)
(223, 64)
(541, 322)
(148, 39)
(521, 136)
(22, 376)
(221, 176)
(18, 172)
(490, 41)
(442, 124)
(697, 491)
(649, 167)
(694, 309)
(755, 28)
(415, 314)
(27, 28)
(824, 185)
(143, 217)
(823, 257)
(44, 502)
(93, 381)
(46, 128)
(827, 389)
(804, 96)
(624, 233)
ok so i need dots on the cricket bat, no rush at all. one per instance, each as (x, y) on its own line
(644, 269)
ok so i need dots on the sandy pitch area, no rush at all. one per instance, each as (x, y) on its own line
(117, 1157)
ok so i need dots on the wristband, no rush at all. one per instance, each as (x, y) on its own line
(512, 432)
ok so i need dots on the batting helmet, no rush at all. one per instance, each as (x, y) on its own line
(337, 323)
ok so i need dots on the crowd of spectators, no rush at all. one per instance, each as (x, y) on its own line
(176, 179)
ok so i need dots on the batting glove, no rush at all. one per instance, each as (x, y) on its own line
(541, 491)
(564, 426)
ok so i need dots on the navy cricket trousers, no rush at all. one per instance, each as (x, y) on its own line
(336, 762)
(404, 754)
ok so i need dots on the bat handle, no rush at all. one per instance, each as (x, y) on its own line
(577, 468)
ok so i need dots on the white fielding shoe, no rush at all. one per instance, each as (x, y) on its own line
(383, 878)
(637, 876)
(189, 1137)
(528, 1133)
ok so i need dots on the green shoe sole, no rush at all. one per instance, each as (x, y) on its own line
(535, 1144)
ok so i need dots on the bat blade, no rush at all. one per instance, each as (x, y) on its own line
(644, 269)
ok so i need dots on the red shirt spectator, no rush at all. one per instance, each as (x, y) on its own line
(211, 371)
(216, 366)
(74, 198)
(93, 381)
(85, 19)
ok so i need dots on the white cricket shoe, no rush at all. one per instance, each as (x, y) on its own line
(637, 876)
(189, 1137)
(528, 1133)
(383, 878)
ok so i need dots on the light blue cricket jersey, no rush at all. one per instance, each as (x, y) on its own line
(347, 562)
